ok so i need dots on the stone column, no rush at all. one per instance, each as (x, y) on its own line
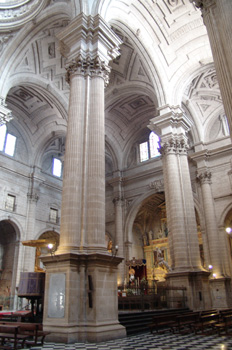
(81, 301)
(219, 282)
(172, 126)
(217, 16)
(119, 221)
(211, 227)
(32, 199)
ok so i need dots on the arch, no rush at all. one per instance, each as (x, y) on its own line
(115, 156)
(214, 122)
(9, 244)
(135, 206)
(43, 144)
(152, 69)
(224, 214)
(15, 223)
(24, 138)
(53, 95)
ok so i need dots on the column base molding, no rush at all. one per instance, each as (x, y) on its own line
(92, 334)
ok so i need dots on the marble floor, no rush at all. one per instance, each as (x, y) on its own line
(145, 341)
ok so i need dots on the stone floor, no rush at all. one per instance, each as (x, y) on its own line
(147, 341)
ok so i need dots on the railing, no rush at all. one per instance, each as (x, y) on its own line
(152, 298)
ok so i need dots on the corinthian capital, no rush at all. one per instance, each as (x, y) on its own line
(175, 145)
(88, 66)
(204, 177)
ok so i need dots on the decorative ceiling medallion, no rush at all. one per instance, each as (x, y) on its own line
(13, 14)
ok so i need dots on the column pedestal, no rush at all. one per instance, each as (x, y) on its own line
(197, 288)
(81, 303)
(220, 293)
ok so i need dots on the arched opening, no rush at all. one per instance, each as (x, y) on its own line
(228, 228)
(8, 263)
(150, 240)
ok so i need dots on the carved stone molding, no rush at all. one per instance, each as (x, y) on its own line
(157, 185)
(4, 39)
(14, 14)
(204, 177)
(176, 146)
(173, 2)
(88, 67)
(118, 200)
(33, 197)
(5, 113)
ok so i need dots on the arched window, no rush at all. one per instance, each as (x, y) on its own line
(7, 141)
(149, 149)
(57, 167)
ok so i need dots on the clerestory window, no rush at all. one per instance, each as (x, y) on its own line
(7, 141)
(149, 149)
(57, 167)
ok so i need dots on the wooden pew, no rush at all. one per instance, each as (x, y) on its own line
(11, 334)
(206, 322)
(34, 332)
(185, 322)
(224, 325)
(163, 322)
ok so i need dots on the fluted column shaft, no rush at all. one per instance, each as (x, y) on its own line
(172, 126)
(88, 44)
(217, 16)
(83, 200)
(32, 196)
(119, 236)
(96, 165)
(211, 227)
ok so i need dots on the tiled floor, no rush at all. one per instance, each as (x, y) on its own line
(165, 341)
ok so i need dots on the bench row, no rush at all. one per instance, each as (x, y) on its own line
(203, 322)
(21, 334)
